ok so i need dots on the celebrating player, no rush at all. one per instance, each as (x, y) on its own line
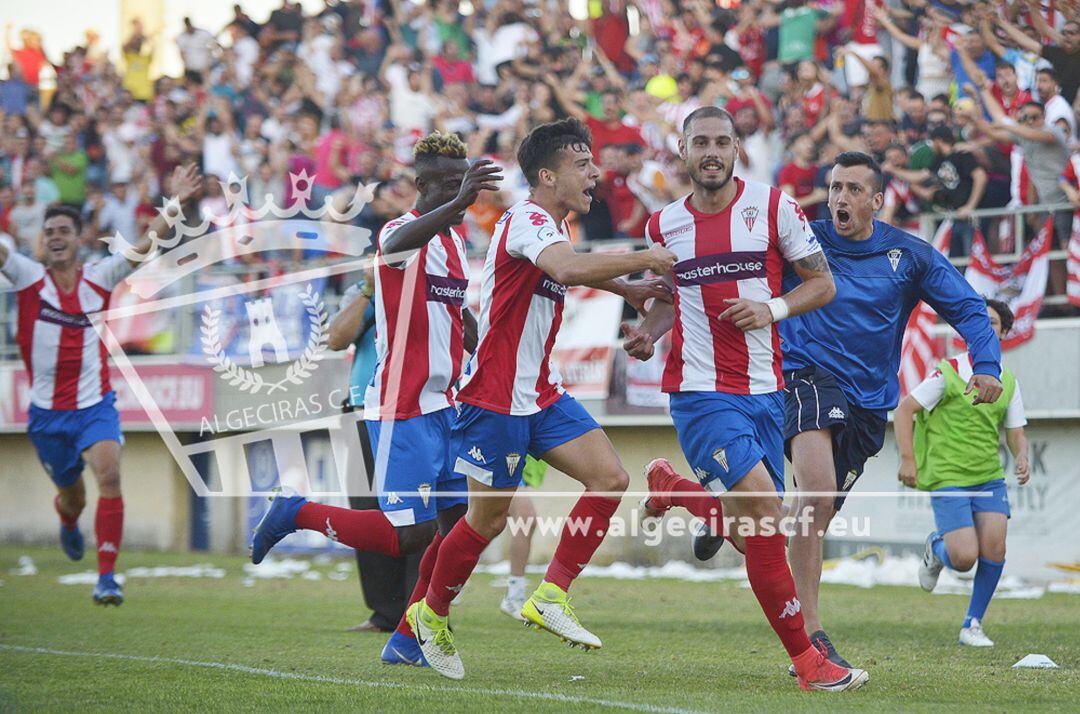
(512, 402)
(421, 278)
(841, 362)
(732, 239)
(953, 452)
(73, 418)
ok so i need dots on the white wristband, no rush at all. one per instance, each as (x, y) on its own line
(778, 308)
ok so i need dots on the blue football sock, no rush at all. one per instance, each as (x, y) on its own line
(986, 579)
(941, 551)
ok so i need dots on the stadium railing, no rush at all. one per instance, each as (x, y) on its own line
(1026, 221)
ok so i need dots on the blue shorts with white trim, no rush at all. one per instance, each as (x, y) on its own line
(62, 435)
(411, 460)
(955, 506)
(814, 400)
(723, 436)
(490, 447)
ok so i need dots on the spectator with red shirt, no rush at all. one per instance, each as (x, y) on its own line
(628, 213)
(30, 57)
(611, 129)
(796, 178)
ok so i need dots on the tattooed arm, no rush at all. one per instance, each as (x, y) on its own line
(815, 290)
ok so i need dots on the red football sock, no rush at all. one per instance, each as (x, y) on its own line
(770, 579)
(427, 565)
(368, 531)
(693, 497)
(108, 527)
(582, 534)
(67, 520)
(458, 555)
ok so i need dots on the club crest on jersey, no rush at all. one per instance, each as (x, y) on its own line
(749, 215)
(424, 490)
(512, 461)
(721, 458)
(894, 258)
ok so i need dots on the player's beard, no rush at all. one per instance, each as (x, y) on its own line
(714, 183)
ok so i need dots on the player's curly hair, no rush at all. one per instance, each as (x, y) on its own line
(541, 147)
(436, 144)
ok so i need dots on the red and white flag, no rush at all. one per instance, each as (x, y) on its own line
(1072, 263)
(920, 349)
(1021, 285)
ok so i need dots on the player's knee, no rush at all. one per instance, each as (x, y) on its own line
(615, 480)
(108, 479)
(73, 502)
(993, 551)
(820, 508)
(488, 525)
(415, 538)
(964, 559)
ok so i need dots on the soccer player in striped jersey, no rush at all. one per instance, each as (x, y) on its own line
(732, 239)
(952, 451)
(512, 401)
(423, 332)
(73, 419)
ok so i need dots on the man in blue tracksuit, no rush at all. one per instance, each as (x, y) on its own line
(841, 361)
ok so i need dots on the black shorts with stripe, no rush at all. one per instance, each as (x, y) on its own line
(813, 400)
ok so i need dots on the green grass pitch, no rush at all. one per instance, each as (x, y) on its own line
(277, 645)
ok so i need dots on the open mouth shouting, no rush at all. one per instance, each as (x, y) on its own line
(842, 218)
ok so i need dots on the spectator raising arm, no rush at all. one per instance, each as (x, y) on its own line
(1017, 35)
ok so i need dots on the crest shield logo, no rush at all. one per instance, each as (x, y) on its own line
(894, 258)
(274, 417)
(749, 216)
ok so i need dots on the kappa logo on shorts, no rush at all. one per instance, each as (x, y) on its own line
(512, 461)
(702, 474)
(392, 499)
(894, 257)
(836, 413)
(721, 458)
(476, 454)
(425, 493)
(850, 480)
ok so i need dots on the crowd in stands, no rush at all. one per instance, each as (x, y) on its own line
(968, 104)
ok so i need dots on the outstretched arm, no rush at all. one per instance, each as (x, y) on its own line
(1017, 36)
(186, 181)
(483, 175)
(567, 266)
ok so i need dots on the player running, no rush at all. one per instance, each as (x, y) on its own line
(73, 417)
(512, 401)
(953, 452)
(723, 374)
(421, 276)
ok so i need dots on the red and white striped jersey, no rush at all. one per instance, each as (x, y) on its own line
(419, 340)
(520, 312)
(66, 360)
(736, 253)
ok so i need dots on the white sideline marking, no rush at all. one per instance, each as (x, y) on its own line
(518, 694)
